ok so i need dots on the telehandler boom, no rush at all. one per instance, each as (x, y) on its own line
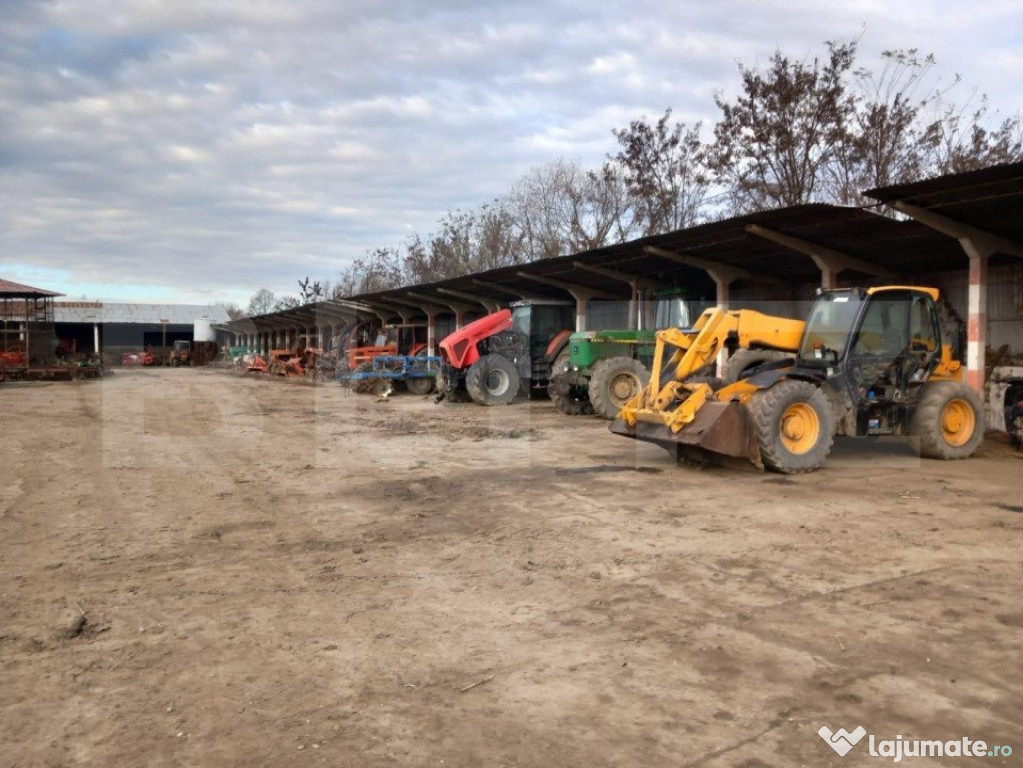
(867, 362)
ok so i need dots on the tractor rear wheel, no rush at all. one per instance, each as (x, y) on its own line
(794, 426)
(949, 420)
(420, 385)
(615, 382)
(492, 380)
(745, 362)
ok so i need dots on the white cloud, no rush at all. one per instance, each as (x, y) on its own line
(245, 143)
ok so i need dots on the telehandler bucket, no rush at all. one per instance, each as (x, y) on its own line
(716, 428)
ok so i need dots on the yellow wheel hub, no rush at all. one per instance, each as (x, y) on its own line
(800, 428)
(957, 422)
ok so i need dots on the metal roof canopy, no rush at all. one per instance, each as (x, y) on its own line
(12, 290)
(980, 209)
(988, 200)
(885, 245)
(868, 246)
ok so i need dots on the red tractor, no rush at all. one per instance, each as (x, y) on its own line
(492, 359)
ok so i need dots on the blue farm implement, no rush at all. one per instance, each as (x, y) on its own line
(379, 376)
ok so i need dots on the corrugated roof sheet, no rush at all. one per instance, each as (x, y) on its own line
(148, 314)
(988, 199)
(10, 288)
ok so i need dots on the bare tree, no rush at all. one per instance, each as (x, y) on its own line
(888, 139)
(966, 141)
(775, 142)
(377, 270)
(233, 310)
(561, 208)
(262, 302)
(537, 202)
(666, 171)
(311, 291)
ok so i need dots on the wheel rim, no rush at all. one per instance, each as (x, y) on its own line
(957, 422)
(497, 382)
(622, 388)
(800, 428)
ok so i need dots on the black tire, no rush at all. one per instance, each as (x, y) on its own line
(794, 426)
(560, 366)
(571, 405)
(949, 420)
(362, 386)
(614, 382)
(420, 385)
(744, 362)
(492, 380)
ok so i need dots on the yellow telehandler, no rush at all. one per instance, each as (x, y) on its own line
(868, 361)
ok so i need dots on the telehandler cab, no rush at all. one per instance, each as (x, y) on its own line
(867, 362)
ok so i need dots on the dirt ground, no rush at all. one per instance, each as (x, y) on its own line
(202, 569)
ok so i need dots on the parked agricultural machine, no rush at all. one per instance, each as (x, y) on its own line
(132, 359)
(375, 359)
(867, 362)
(181, 353)
(491, 360)
(599, 371)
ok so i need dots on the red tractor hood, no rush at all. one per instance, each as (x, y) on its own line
(459, 348)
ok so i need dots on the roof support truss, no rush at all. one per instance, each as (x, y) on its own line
(829, 261)
(721, 274)
(506, 289)
(983, 241)
(490, 305)
(579, 292)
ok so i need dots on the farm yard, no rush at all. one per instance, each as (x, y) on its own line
(201, 568)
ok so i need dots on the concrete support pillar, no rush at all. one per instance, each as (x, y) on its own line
(580, 312)
(431, 333)
(724, 291)
(829, 279)
(458, 320)
(95, 338)
(976, 334)
(724, 285)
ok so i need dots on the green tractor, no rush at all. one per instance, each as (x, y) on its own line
(599, 371)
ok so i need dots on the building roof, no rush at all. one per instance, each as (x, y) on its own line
(10, 289)
(149, 314)
(878, 249)
(988, 199)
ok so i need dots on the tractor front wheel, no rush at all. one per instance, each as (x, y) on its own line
(492, 380)
(794, 426)
(949, 420)
(615, 382)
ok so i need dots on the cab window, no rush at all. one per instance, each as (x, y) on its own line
(885, 327)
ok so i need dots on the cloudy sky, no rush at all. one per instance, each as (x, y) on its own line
(198, 150)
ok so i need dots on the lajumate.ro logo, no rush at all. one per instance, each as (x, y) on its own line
(842, 741)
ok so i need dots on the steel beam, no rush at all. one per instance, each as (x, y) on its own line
(987, 241)
(507, 290)
(637, 281)
(719, 273)
(829, 261)
(491, 305)
(572, 288)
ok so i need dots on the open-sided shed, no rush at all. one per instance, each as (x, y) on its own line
(943, 227)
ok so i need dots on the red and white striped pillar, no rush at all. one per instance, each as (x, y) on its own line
(976, 334)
